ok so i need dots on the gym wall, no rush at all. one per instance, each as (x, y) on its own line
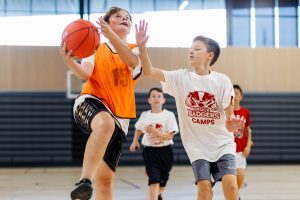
(30, 68)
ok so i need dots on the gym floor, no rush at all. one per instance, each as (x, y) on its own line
(263, 182)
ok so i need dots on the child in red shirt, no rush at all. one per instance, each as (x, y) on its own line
(243, 137)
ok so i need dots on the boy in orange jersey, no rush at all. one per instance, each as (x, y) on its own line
(243, 137)
(106, 103)
(204, 102)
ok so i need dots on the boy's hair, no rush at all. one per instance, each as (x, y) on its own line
(211, 45)
(113, 10)
(156, 89)
(235, 86)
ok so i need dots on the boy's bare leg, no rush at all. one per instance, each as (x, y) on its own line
(240, 177)
(103, 127)
(104, 182)
(230, 188)
(204, 190)
(161, 190)
(153, 191)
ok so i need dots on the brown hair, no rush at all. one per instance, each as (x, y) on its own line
(113, 10)
(211, 45)
(235, 86)
(156, 89)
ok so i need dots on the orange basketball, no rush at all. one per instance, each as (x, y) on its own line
(82, 37)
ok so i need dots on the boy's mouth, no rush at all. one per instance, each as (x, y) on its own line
(125, 24)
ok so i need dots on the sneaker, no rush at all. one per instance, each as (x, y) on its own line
(83, 190)
(159, 197)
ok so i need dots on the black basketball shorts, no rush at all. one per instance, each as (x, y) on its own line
(85, 108)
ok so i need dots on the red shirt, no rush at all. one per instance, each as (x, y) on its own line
(241, 137)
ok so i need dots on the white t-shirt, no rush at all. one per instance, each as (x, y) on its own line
(122, 123)
(164, 121)
(200, 102)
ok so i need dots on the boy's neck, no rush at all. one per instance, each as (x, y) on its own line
(156, 109)
(202, 69)
(237, 106)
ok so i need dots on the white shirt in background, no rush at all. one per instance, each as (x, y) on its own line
(164, 121)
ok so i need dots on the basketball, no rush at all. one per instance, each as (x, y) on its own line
(82, 37)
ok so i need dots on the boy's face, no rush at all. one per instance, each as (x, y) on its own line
(238, 97)
(120, 23)
(198, 54)
(156, 98)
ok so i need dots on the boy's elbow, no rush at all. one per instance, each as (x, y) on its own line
(146, 72)
(132, 65)
(84, 77)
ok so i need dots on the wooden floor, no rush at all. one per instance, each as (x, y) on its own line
(263, 183)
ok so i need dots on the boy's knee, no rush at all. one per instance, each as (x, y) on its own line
(103, 123)
(204, 189)
(231, 188)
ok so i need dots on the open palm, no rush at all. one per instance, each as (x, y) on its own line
(141, 33)
(235, 123)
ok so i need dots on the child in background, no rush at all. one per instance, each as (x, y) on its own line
(158, 126)
(106, 103)
(243, 137)
(204, 101)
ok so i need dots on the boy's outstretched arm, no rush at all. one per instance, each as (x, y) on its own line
(141, 40)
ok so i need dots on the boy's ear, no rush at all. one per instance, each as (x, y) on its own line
(210, 55)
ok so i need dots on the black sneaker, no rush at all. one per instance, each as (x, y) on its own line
(159, 197)
(83, 190)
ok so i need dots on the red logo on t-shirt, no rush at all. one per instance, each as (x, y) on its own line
(202, 107)
(154, 139)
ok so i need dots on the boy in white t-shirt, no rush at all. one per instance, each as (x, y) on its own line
(205, 112)
(158, 127)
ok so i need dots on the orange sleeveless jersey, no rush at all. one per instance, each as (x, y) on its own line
(112, 82)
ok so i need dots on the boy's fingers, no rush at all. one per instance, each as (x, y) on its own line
(70, 52)
(146, 27)
(140, 24)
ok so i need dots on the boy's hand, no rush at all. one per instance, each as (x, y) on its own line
(134, 145)
(246, 151)
(104, 28)
(234, 123)
(141, 33)
(66, 55)
(151, 130)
